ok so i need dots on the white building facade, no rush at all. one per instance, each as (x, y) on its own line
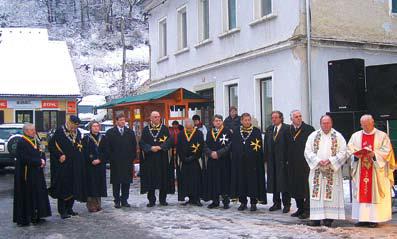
(254, 54)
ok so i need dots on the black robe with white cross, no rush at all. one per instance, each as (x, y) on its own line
(30, 190)
(217, 171)
(190, 155)
(67, 178)
(248, 168)
(277, 160)
(298, 169)
(156, 168)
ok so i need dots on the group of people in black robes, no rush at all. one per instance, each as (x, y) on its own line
(225, 164)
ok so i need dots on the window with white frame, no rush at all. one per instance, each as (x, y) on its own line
(163, 38)
(393, 6)
(262, 8)
(229, 14)
(182, 28)
(266, 102)
(233, 95)
(204, 19)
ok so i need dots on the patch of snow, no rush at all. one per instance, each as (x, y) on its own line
(94, 100)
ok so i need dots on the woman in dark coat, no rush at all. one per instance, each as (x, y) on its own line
(31, 202)
(95, 167)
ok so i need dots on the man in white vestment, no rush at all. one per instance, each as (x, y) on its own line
(372, 171)
(325, 153)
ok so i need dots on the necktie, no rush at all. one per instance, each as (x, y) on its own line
(121, 131)
(275, 132)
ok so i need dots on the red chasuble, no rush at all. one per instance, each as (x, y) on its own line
(366, 170)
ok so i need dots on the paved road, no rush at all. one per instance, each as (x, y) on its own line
(174, 221)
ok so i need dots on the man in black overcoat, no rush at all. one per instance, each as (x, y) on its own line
(121, 147)
(298, 169)
(277, 164)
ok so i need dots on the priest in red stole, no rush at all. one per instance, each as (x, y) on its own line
(372, 171)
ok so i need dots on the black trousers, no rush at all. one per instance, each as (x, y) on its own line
(244, 200)
(125, 192)
(65, 206)
(302, 204)
(286, 198)
(151, 196)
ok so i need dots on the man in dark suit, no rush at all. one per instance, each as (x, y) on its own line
(298, 169)
(277, 164)
(121, 151)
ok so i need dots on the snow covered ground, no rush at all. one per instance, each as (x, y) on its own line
(177, 221)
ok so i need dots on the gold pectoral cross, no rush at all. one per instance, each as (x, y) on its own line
(256, 145)
(195, 147)
(163, 139)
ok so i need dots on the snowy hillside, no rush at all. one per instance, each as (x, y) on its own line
(93, 35)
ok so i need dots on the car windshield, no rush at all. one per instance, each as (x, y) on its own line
(6, 133)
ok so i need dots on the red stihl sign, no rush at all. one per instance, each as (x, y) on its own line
(48, 104)
(3, 104)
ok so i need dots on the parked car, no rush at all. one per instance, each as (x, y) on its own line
(9, 136)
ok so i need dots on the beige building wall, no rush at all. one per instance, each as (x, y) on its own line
(354, 20)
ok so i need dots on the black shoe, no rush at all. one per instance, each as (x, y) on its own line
(297, 213)
(314, 223)
(150, 204)
(275, 207)
(304, 215)
(327, 222)
(38, 221)
(23, 224)
(226, 206)
(361, 224)
(242, 207)
(253, 208)
(286, 209)
(117, 205)
(125, 204)
(186, 203)
(64, 216)
(213, 205)
(373, 225)
(164, 203)
(198, 203)
(72, 213)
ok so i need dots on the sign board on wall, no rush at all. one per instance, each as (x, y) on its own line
(24, 104)
(3, 104)
(49, 104)
(72, 109)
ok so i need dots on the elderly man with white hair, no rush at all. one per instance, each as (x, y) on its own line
(372, 172)
(156, 170)
(325, 153)
(190, 154)
(31, 202)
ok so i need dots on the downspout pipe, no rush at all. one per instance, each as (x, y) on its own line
(309, 60)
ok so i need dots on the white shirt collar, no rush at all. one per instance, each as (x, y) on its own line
(371, 133)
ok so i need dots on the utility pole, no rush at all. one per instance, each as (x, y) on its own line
(123, 80)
